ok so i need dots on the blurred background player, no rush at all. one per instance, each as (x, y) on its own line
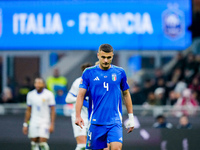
(41, 113)
(79, 134)
(105, 83)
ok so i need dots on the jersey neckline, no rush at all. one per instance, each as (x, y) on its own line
(104, 70)
(40, 92)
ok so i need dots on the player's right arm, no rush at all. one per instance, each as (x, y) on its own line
(26, 119)
(80, 98)
(27, 114)
(52, 104)
(79, 103)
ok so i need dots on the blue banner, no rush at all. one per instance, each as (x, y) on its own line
(82, 25)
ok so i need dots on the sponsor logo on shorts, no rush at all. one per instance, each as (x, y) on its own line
(120, 138)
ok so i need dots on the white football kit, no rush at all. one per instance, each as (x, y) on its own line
(71, 98)
(40, 104)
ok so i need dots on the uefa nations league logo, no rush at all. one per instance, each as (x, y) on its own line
(173, 22)
(1, 19)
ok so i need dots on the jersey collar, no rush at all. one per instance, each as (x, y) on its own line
(102, 69)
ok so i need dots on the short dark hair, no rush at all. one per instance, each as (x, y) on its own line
(40, 78)
(85, 65)
(106, 48)
(160, 117)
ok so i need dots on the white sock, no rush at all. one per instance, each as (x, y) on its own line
(80, 147)
(44, 146)
(34, 146)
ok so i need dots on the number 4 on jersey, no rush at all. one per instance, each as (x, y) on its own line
(105, 85)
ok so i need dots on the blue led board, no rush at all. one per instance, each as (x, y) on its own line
(82, 25)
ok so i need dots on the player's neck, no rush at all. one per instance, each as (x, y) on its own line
(104, 68)
(40, 91)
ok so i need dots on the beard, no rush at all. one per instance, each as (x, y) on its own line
(40, 89)
(105, 66)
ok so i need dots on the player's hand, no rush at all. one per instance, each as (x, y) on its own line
(130, 129)
(129, 126)
(79, 122)
(25, 130)
(51, 129)
(130, 123)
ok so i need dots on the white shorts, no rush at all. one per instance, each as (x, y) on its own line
(38, 131)
(77, 130)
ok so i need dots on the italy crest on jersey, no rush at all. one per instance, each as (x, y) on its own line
(114, 77)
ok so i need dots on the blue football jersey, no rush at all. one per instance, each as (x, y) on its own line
(105, 86)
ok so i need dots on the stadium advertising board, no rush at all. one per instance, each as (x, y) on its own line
(147, 24)
(144, 137)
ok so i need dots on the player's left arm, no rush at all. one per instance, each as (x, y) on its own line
(129, 107)
(52, 104)
(127, 101)
(53, 116)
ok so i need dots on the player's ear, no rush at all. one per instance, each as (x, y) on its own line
(98, 55)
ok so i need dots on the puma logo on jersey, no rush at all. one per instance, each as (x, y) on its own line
(96, 79)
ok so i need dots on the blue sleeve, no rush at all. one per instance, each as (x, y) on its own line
(84, 81)
(124, 85)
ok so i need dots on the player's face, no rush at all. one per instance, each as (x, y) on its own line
(39, 85)
(105, 59)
